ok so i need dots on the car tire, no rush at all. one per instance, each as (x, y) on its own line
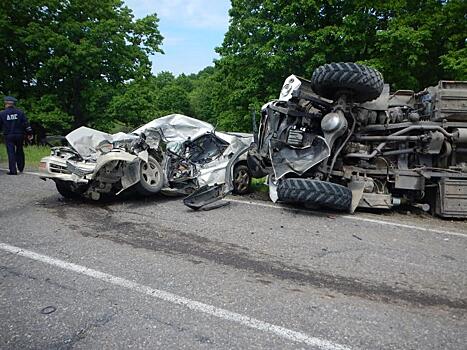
(70, 189)
(314, 193)
(241, 179)
(363, 83)
(151, 178)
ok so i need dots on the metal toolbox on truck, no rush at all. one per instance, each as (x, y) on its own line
(452, 198)
(450, 101)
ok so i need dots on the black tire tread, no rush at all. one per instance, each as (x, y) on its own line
(314, 192)
(66, 191)
(366, 83)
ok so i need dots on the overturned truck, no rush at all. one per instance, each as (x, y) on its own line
(341, 140)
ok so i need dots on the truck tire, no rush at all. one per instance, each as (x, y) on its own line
(363, 83)
(315, 193)
(151, 178)
(69, 189)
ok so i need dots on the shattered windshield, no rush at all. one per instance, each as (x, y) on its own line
(206, 148)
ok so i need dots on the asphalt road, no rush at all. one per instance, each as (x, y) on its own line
(151, 273)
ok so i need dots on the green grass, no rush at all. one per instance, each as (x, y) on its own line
(257, 185)
(33, 155)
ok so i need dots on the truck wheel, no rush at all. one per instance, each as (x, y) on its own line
(151, 178)
(362, 82)
(70, 189)
(241, 179)
(315, 193)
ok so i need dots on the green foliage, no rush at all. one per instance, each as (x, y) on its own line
(136, 105)
(413, 43)
(81, 52)
(32, 154)
(172, 99)
(206, 96)
(46, 110)
(144, 99)
(455, 63)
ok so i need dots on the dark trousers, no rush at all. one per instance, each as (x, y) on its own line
(14, 148)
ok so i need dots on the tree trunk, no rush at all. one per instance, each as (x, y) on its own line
(76, 103)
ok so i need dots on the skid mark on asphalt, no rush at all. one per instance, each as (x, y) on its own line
(103, 225)
(354, 217)
(179, 300)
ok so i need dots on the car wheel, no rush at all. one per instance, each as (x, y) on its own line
(70, 189)
(151, 177)
(362, 82)
(314, 193)
(241, 179)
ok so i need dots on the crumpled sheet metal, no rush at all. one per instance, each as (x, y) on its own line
(215, 172)
(176, 127)
(85, 140)
(286, 159)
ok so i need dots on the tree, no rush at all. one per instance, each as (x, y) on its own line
(146, 98)
(81, 52)
(204, 95)
(47, 112)
(413, 43)
(137, 104)
(172, 99)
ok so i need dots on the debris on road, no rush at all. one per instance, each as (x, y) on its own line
(48, 310)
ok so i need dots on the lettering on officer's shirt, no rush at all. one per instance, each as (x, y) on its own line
(12, 117)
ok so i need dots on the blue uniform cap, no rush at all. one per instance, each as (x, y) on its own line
(10, 99)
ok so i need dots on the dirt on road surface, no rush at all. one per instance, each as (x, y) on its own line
(151, 273)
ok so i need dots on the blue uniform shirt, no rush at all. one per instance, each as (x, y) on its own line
(14, 122)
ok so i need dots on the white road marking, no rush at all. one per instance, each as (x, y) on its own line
(355, 217)
(178, 300)
(413, 227)
(24, 172)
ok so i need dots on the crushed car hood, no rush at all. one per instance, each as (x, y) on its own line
(176, 128)
(85, 140)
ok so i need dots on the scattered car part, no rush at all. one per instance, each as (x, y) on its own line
(48, 310)
(204, 196)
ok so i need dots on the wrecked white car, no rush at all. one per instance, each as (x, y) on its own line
(172, 154)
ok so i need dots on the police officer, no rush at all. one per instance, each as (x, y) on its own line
(15, 126)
